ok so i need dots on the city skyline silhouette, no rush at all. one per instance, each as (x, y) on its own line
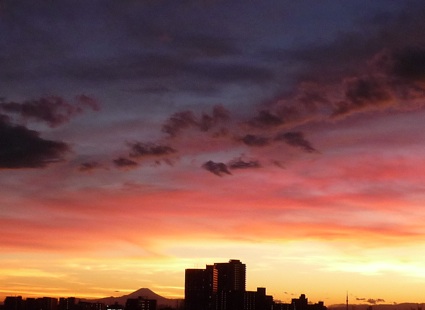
(218, 286)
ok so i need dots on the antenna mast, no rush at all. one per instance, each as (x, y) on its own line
(346, 301)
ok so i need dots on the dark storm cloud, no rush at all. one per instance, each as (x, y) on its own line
(187, 119)
(295, 139)
(24, 148)
(217, 168)
(123, 162)
(139, 150)
(255, 140)
(239, 163)
(53, 110)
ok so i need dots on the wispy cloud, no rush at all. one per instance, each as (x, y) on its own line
(239, 163)
(123, 162)
(295, 139)
(255, 140)
(187, 119)
(216, 168)
(90, 166)
(53, 110)
(140, 150)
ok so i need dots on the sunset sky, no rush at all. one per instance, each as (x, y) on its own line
(140, 138)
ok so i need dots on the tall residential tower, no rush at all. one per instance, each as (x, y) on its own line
(231, 276)
(217, 287)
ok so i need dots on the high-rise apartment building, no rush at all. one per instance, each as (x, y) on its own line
(217, 287)
(67, 303)
(231, 276)
(13, 303)
(200, 288)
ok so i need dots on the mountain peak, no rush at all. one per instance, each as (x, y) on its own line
(141, 292)
(146, 293)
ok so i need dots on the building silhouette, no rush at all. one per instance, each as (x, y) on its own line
(13, 303)
(201, 288)
(231, 281)
(221, 286)
(85, 305)
(17, 303)
(231, 276)
(257, 300)
(69, 303)
(300, 303)
(140, 303)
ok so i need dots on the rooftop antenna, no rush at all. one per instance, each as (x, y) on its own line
(346, 301)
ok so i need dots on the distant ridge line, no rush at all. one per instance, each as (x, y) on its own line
(142, 292)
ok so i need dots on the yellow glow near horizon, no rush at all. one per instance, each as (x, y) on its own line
(320, 270)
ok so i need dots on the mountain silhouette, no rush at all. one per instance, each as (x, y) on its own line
(144, 293)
